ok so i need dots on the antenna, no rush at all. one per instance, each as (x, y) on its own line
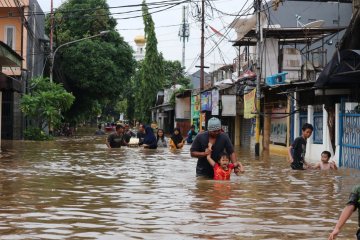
(184, 32)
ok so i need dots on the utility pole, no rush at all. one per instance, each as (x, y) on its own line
(258, 76)
(202, 76)
(202, 65)
(184, 33)
(51, 40)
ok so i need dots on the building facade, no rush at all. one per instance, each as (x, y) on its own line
(22, 29)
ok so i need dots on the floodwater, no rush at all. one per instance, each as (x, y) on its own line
(77, 189)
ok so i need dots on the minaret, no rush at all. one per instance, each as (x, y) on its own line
(140, 42)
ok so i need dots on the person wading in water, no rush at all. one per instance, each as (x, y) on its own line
(220, 142)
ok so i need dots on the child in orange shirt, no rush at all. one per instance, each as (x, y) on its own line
(222, 168)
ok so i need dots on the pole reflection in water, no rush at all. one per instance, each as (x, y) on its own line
(79, 189)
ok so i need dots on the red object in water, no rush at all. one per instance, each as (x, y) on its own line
(109, 129)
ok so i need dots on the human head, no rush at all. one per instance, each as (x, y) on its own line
(192, 127)
(141, 127)
(119, 128)
(325, 156)
(99, 126)
(127, 127)
(307, 130)
(224, 160)
(176, 131)
(160, 133)
(214, 127)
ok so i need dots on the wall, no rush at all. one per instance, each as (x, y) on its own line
(310, 11)
(35, 51)
(183, 108)
(11, 21)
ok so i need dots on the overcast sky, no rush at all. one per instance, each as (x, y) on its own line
(169, 42)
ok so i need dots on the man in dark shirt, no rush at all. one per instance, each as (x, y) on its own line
(128, 134)
(297, 150)
(141, 133)
(116, 139)
(219, 141)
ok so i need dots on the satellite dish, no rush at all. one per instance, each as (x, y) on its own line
(314, 24)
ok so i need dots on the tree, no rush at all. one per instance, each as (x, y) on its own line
(94, 70)
(46, 102)
(174, 74)
(151, 71)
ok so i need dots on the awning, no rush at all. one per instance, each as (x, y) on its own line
(8, 57)
(344, 68)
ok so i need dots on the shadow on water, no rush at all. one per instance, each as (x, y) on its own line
(78, 189)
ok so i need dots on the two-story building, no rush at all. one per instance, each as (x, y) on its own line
(22, 29)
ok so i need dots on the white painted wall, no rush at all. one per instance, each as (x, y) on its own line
(313, 151)
(182, 108)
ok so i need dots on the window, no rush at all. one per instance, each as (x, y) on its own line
(303, 120)
(10, 36)
(318, 128)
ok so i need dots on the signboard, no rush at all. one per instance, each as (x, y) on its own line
(228, 105)
(278, 125)
(206, 101)
(249, 104)
(215, 102)
(195, 111)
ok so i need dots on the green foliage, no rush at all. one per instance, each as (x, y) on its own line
(173, 95)
(36, 134)
(174, 74)
(96, 70)
(151, 72)
(46, 102)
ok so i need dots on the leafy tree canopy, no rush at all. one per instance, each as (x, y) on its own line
(96, 70)
(174, 74)
(46, 102)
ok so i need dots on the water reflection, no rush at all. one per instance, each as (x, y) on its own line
(79, 189)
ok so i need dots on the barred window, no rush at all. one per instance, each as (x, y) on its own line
(318, 128)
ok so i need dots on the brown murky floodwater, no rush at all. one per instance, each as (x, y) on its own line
(77, 189)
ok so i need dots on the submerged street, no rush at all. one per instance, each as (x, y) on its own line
(76, 188)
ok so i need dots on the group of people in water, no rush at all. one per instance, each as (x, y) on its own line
(217, 159)
(147, 138)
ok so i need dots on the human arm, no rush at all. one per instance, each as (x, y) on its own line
(197, 149)
(238, 167)
(290, 149)
(333, 165)
(196, 154)
(316, 166)
(181, 144)
(210, 160)
(345, 215)
(108, 141)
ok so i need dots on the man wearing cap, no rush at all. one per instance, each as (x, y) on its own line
(116, 139)
(220, 142)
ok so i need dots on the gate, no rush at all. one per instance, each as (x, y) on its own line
(349, 140)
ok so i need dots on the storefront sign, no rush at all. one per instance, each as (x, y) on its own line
(215, 102)
(228, 105)
(195, 111)
(206, 101)
(249, 104)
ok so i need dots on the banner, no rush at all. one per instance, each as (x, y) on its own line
(206, 101)
(228, 105)
(215, 102)
(278, 125)
(249, 104)
(195, 111)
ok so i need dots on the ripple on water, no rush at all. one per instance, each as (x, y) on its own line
(78, 189)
